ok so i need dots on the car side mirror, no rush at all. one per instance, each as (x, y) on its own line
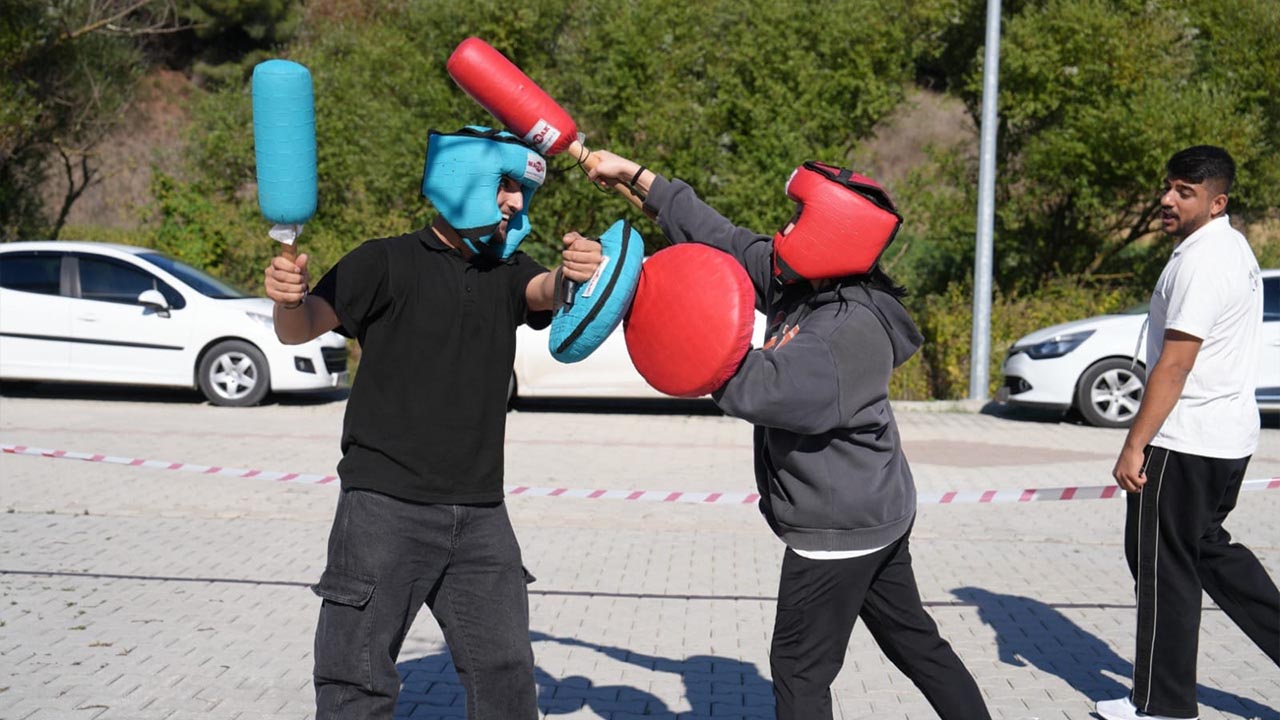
(154, 300)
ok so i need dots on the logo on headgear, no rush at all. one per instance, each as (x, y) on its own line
(535, 169)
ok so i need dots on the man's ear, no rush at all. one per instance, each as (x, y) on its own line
(1218, 205)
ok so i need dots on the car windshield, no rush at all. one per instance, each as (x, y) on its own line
(1139, 309)
(200, 281)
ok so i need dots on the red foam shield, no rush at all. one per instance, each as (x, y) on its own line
(510, 96)
(691, 321)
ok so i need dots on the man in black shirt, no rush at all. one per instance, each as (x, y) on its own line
(421, 517)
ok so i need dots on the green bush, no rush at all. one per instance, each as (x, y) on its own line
(911, 380)
(731, 95)
(946, 320)
(204, 231)
(733, 117)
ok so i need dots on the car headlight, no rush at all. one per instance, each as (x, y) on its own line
(1053, 347)
(263, 320)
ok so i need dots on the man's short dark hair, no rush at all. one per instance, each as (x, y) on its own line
(1203, 163)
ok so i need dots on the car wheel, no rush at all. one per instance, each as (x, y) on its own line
(234, 373)
(1110, 391)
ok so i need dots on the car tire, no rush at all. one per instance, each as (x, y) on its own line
(1110, 391)
(234, 373)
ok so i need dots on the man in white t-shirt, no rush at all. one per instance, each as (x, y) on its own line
(1186, 453)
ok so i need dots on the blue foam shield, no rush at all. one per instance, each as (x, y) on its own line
(598, 305)
(284, 141)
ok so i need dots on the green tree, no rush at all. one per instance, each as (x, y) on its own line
(733, 116)
(69, 68)
(1094, 97)
(228, 37)
(731, 96)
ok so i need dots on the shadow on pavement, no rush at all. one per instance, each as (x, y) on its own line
(713, 685)
(1029, 632)
(1270, 419)
(146, 394)
(617, 406)
(1028, 414)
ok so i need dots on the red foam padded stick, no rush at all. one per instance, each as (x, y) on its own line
(509, 95)
(691, 321)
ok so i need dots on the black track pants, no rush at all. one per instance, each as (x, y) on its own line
(818, 603)
(1176, 546)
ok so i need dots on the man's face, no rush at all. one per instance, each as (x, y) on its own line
(1186, 206)
(510, 202)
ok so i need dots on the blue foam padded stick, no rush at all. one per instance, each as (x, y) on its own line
(599, 304)
(284, 141)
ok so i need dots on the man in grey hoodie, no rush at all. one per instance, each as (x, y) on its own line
(834, 483)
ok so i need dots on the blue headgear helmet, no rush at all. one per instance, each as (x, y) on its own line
(461, 179)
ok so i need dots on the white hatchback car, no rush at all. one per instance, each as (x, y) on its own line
(105, 313)
(1090, 364)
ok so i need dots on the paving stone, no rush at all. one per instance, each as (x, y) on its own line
(187, 596)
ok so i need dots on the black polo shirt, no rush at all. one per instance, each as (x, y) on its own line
(428, 410)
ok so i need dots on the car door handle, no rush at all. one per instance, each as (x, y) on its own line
(88, 318)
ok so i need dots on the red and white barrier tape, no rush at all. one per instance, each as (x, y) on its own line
(1092, 492)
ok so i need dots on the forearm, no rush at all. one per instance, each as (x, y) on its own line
(794, 389)
(684, 217)
(541, 292)
(1164, 387)
(309, 320)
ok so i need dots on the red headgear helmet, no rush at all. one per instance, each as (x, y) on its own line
(844, 223)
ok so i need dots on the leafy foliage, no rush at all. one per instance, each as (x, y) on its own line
(727, 95)
(223, 39)
(63, 85)
(947, 321)
(203, 231)
(732, 117)
(1095, 95)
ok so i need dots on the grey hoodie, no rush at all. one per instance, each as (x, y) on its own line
(828, 460)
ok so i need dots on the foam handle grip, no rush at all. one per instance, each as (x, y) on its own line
(284, 141)
(510, 96)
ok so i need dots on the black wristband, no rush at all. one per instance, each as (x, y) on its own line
(636, 177)
(635, 190)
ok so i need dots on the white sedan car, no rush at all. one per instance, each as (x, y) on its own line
(104, 313)
(606, 373)
(1098, 367)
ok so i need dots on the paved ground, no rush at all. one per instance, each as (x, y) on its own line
(149, 594)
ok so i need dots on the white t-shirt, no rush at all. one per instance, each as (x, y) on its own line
(1211, 288)
(836, 554)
